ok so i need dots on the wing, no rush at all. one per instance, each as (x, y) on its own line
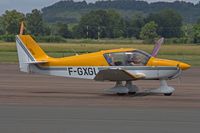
(117, 75)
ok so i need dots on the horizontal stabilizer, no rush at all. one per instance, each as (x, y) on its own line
(117, 75)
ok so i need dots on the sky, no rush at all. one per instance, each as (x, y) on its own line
(27, 5)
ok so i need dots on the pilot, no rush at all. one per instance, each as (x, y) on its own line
(135, 61)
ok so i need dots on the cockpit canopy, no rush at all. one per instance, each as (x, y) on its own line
(129, 58)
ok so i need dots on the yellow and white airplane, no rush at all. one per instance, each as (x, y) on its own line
(118, 65)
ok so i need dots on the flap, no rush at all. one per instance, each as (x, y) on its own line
(117, 75)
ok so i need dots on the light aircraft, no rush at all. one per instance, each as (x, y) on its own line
(117, 65)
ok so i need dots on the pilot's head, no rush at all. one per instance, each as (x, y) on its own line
(136, 59)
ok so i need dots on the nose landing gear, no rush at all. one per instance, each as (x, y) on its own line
(163, 89)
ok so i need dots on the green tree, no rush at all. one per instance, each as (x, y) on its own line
(34, 23)
(198, 21)
(100, 23)
(11, 21)
(169, 23)
(148, 32)
(197, 33)
(2, 30)
(63, 30)
(115, 26)
(187, 30)
(136, 23)
(76, 32)
(91, 23)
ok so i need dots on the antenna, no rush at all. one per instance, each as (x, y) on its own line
(74, 51)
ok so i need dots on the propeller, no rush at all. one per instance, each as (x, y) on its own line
(179, 76)
(179, 81)
(157, 47)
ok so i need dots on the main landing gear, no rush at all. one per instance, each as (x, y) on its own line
(121, 89)
(132, 89)
(129, 88)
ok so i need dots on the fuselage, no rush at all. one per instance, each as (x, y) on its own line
(86, 66)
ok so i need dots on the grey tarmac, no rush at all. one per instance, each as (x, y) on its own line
(45, 104)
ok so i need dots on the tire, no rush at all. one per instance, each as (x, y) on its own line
(121, 94)
(131, 93)
(168, 94)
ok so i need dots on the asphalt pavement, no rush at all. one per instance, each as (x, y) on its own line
(31, 103)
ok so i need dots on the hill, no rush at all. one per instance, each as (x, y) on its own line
(70, 11)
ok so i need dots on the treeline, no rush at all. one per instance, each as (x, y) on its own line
(70, 11)
(10, 23)
(102, 24)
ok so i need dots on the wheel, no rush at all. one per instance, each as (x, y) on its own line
(168, 94)
(131, 93)
(121, 94)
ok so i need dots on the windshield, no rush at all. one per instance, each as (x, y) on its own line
(132, 58)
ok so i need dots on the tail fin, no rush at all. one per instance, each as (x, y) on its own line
(29, 52)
